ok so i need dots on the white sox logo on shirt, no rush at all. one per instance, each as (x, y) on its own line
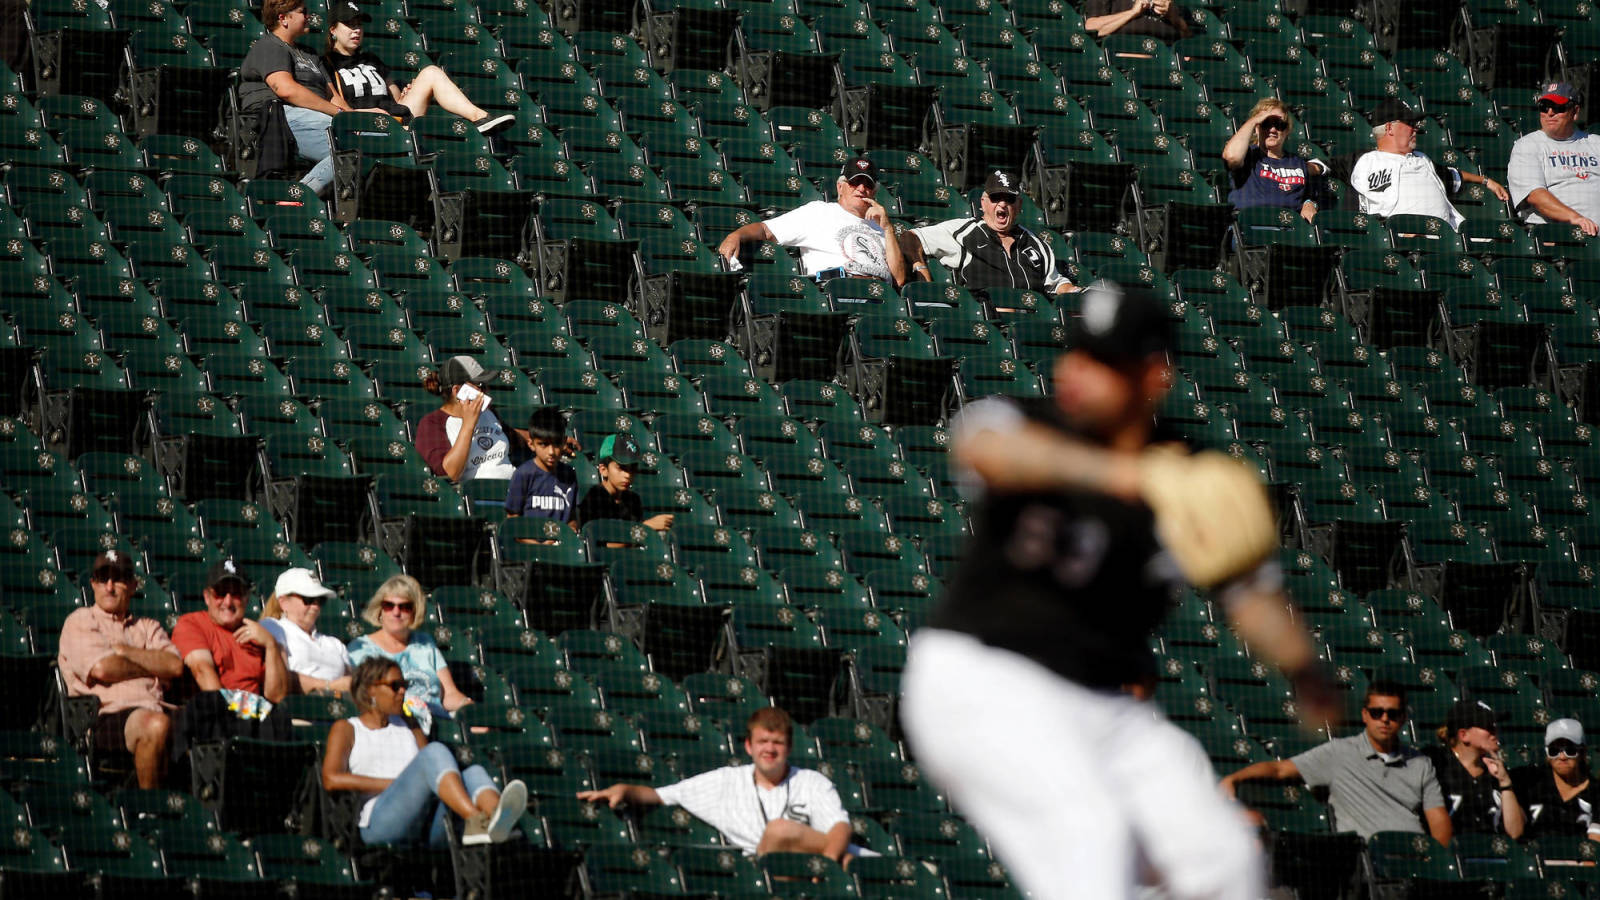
(862, 246)
(1380, 181)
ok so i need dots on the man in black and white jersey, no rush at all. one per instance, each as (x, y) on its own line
(1015, 695)
(993, 251)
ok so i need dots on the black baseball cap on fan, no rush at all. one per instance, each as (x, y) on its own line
(1120, 325)
(860, 167)
(347, 12)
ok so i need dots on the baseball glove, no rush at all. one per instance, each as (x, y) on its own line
(1212, 513)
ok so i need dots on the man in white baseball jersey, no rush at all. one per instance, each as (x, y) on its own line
(765, 807)
(1555, 171)
(843, 239)
(1396, 179)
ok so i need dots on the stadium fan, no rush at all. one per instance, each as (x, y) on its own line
(316, 661)
(1158, 18)
(1395, 178)
(1262, 174)
(463, 438)
(395, 608)
(1552, 170)
(1560, 795)
(276, 69)
(1472, 774)
(407, 783)
(363, 79)
(990, 251)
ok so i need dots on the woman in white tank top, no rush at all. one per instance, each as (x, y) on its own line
(409, 783)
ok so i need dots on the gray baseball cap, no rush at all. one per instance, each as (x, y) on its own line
(463, 370)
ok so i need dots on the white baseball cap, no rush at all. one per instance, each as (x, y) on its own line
(301, 583)
(1564, 730)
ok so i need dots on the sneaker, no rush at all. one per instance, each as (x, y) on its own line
(513, 800)
(475, 831)
(491, 123)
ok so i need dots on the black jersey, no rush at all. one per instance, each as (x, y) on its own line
(1473, 803)
(1548, 814)
(1075, 581)
(978, 260)
(363, 79)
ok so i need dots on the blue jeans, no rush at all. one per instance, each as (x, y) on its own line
(311, 135)
(399, 815)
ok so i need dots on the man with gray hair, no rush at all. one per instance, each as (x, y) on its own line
(843, 239)
(1396, 179)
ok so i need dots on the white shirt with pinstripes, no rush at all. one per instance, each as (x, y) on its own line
(728, 800)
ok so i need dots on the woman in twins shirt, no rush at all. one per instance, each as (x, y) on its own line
(1262, 174)
(363, 80)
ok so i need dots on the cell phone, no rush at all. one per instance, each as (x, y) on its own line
(467, 393)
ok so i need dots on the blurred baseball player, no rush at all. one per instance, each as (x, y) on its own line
(1014, 697)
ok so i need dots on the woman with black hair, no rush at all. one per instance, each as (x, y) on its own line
(407, 782)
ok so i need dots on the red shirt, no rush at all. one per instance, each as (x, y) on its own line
(241, 667)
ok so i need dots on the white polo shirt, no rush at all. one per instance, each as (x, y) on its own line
(729, 801)
(318, 655)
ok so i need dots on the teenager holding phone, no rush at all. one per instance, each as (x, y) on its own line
(463, 439)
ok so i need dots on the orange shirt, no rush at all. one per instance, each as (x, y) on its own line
(241, 667)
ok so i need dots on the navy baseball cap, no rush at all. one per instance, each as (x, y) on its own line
(225, 571)
(1557, 91)
(1120, 325)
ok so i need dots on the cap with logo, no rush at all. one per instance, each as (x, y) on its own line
(1564, 730)
(463, 369)
(1002, 183)
(347, 12)
(1119, 325)
(301, 583)
(225, 571)
(860, 167)
(1394, 110)
(1557, 91)
(112, 564)
(1471, 714)
(621, 449)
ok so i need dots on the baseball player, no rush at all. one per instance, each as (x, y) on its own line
(1013, 694)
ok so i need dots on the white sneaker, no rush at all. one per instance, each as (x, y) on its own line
(491, 123)
(513, 800)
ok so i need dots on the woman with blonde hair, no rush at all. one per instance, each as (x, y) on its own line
(1263, 173)
(395, 608)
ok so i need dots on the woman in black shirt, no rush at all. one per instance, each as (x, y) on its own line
(1560, 796)
(363, 80)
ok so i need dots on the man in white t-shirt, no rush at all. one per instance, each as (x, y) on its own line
(1396, 179)
(1555, 171)
(766, 807)
(843, 239)
(317, 661)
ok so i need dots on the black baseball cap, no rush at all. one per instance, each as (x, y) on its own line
(1003, 183)
(225, 571)
(621, 449)
(1120, 325)
(1471, 714)
(347, 12)
(860, 167)
(464, 369)
(112, 564)
(1394, 110)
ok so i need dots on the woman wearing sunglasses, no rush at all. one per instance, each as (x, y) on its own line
(1560, 797)
(1263, 173)
(395, 608)
(316, 661)
(408, 783)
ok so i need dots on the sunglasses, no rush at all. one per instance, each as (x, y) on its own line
(1563, 749)
(397, 685)
(391, 606)
(1392, 713)
(1274, 124)
(1550, 106)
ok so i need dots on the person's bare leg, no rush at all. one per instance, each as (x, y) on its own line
(453, 793)
(432, 85)
(146, 734)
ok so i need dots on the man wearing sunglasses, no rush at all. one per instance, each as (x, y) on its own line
(1560, 797)
(1375, 783)
(1555, 171)
(991, 251)
(1395, 178)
